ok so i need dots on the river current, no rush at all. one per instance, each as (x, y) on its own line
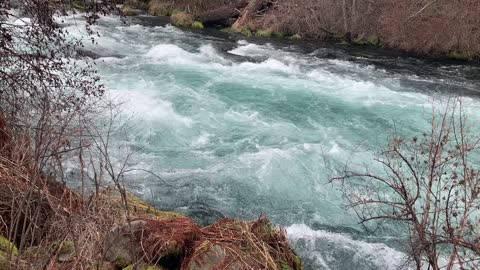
(239, 128)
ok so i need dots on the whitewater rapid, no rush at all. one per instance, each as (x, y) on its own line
(238, 128)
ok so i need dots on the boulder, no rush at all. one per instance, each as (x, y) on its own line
(119, 243)
(154, 240)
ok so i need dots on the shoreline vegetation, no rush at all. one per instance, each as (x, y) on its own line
(434, 29)
(104, 232)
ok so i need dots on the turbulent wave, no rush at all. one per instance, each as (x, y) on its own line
(238, 129)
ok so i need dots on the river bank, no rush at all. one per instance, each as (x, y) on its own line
(315, 21)
(106, 232)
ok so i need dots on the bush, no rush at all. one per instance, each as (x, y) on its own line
(158, 8)
(182, 19)
(135, 4)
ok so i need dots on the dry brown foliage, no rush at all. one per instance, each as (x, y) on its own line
(247, 245)
(425, 26)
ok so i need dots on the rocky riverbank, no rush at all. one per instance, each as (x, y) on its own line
(106, 233)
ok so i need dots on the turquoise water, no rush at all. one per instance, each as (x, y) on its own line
(238, 128)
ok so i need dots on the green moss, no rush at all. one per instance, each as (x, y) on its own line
(182, 19)
(79, 5)
(285, 266)
(197, 25)
(359, 42)
(373, 40)
(263, 33)
(142, 267)
(175, 11)
(7, 246)
(139, 207)
(344, 43)
(278, 34)
(298, 262)
(296, 37)
(459, 56)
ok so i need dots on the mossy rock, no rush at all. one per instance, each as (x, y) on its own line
(295, 37)
(197, 25)
(182, 19)
(138, 207)
(459, 56)
(7, 246)
(243, 31)
(263, 33)
(128, 11)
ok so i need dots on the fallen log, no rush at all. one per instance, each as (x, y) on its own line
(223, 14)
(219, 15)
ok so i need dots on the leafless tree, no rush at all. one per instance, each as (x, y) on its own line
(430, 184)
(47, 99)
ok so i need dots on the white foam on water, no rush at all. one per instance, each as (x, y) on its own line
(163, 51)
(250, 49)
(147, 106)
(380, 255)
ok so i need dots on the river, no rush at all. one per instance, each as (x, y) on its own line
(238, 127)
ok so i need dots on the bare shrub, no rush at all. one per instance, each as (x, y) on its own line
(430, 185)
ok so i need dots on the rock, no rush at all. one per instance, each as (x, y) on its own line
(154, 240)
(119, 246)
